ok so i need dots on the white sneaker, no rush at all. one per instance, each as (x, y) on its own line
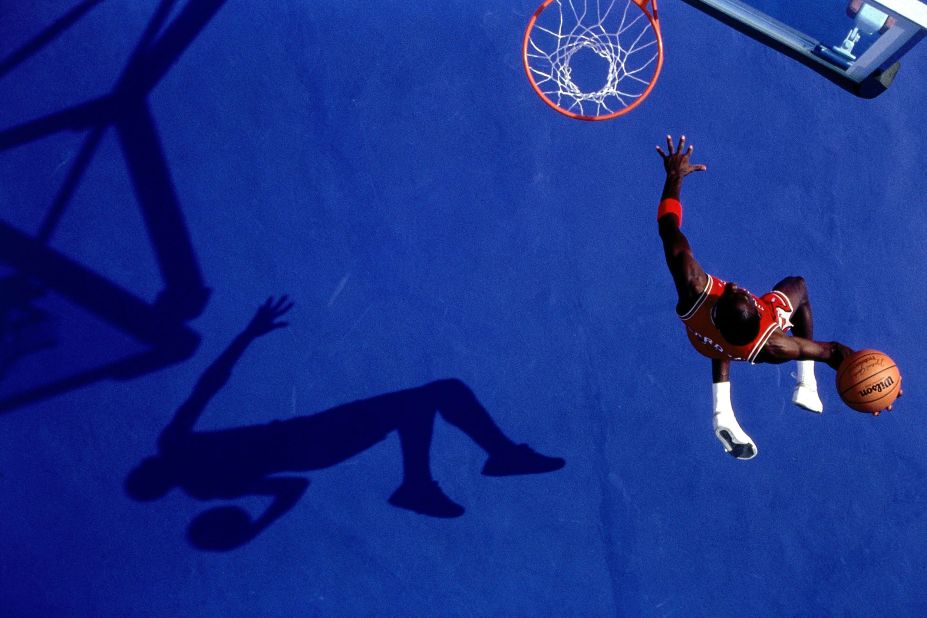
(807, 397)
(732, 437)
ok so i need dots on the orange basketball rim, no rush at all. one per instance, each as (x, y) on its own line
(624, 33)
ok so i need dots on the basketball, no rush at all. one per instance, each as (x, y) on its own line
(868, 381)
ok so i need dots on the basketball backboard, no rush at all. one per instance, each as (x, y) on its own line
(856, 44)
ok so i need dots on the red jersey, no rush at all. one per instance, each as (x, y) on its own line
(774, 308)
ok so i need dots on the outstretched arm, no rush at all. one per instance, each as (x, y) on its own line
(265, 320)
(782, 348)
(688, 275)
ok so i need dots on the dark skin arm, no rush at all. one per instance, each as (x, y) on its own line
(782, 348)
(687, 274)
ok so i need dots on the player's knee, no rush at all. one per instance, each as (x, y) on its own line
(794, 286)
(801, 287)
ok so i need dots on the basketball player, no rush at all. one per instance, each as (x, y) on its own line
(727, 323)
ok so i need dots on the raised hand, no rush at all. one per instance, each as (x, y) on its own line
(266, 318)
(676, 160)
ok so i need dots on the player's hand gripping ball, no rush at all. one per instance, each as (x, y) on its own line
(869, 381)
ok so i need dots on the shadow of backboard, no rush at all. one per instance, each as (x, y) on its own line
(63, 325)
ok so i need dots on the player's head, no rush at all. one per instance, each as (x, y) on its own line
(150, 480)
(736, 315)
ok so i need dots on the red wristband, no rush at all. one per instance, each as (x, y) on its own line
(670, 206)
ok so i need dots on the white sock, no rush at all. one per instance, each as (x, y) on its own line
(727, 429)
(806, 390)
(721, 397)
(806, 374)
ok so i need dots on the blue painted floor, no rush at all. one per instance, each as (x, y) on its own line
(460, 257)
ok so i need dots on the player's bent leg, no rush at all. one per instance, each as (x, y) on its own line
(796, 290)
(733, 438)
(460, 407)
(520, 459)
(805, 394)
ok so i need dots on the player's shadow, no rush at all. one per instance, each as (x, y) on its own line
(255, 460)
(161, 324)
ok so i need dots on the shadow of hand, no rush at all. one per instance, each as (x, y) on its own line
(265, 319)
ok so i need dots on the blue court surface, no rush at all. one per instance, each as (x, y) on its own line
(458, 254)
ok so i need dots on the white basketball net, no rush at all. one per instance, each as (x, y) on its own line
(616, 30)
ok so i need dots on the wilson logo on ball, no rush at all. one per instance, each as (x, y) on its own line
(877, 388)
